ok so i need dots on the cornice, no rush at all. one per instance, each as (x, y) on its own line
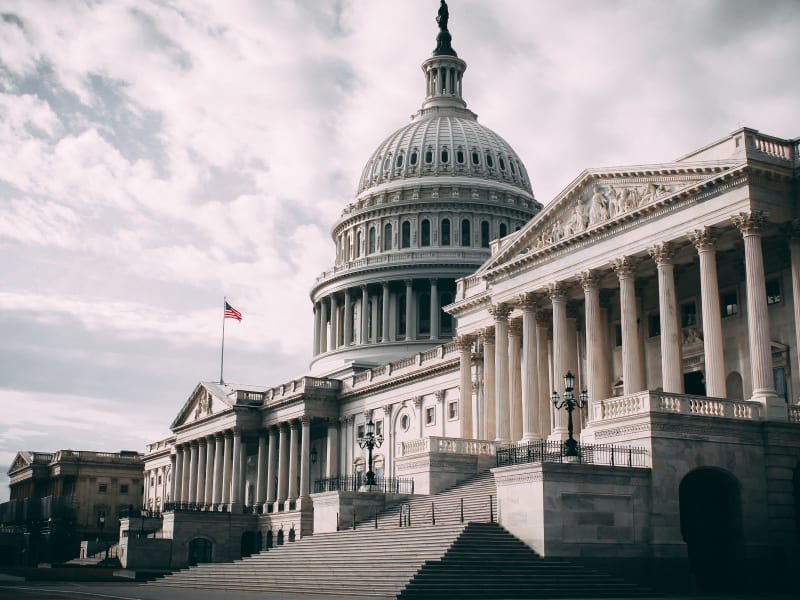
(446, 366)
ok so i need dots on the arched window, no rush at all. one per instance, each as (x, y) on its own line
(371, 240)
(733, 383)
(405, 234)
(357, 249)
(399, 162)
(428, 156)
(425, 233)
(465, 233)
(424, 312)
(445, 232)
(447, 319)
(489, 160)
(445, 155)
(502, 164)
(387, 163)
(484, 234)
(460, 157)
(503, 230)
(476, 158)
(387, 236)
(413, 159)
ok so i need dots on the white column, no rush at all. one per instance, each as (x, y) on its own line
(227, 468)
(500, 313)
(332, 454)
(348, 318)
(530, 382)
(543, 369)
(487, 340)
(594, 337)
(283, 463)
(464, 345)
(561, 342)
(316, 327)
(706, 245)
(435, 310)
(201, 471)
(323, 330)
(671, 366)
(294, 455)
(409, 309)
(192, 495)
(364, 315)
(208, 492)
(186, 470)
(272, 473)
(219, 463)
(515, 379)
(385, 315)
(750, 225)
(236, 479)
(333, 342)
(305, 455)
(261, 471)
(631, 358)
(177, 475)
(374, 338)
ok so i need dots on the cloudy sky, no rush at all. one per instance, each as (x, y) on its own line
(155, 156)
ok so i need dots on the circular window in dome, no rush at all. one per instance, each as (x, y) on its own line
(413, 159)
(460, 157)
(489, 161)
(405, 422)
(429, 156)
(445, 155)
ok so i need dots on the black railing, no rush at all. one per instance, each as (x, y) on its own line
(189, 507)
(353, 483)
(592, 454)
(139, 513)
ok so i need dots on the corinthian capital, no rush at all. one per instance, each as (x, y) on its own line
(487, 335)
(589, 280)
(527, 301)
(750, 223)
(500, 311)
(464, 342)
(624, 267)
(663, 254)
(557, 292)
(704, 239)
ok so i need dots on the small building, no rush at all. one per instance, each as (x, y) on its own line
(59, 498)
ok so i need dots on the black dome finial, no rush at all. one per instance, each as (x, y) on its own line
(444, 38)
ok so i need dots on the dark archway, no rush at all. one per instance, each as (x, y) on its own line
(694, 383)
(200, 551)
(280, 537)
(711, 526)
(270, 541)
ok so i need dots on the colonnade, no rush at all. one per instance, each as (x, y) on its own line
(159, 492)
(517, 391)
(210, 471)
(370, 314)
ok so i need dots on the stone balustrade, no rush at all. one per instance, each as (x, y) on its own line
(794, 413)
(774, 147)
(650, 401)
(445, 445)
(438, 354)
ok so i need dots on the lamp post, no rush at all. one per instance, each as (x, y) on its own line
(370, 441)
(570, 402)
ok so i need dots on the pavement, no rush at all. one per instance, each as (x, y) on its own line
(138, 591)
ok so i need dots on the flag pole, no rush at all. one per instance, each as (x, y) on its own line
(222, 356)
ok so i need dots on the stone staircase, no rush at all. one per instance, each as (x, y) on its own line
(472, 560)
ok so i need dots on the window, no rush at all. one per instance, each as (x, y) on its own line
(371, 240)
(774, 291)
(654, 325)
(503, 230)
(445, 156)
(123, 489)
(399, 162)
(460, 157)
(511, 164)
(379, 427)
(476, 158)
(489, 160)
(387, 237)
(413, 159)
(688, 314)
(425, 234)
(781, 387)
(430, 415)
(405, 234)
(387, 163)
(102, 488)
(360, 431)
(153, 481)
(357, 249)
(428, 156)
(729, 303)
(465, 232)
(405, 422)
(445, 232)
(159, 480)
(502, 164)
(452, 410)
(484, 234)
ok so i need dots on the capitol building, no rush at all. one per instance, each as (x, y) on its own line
(455, 304)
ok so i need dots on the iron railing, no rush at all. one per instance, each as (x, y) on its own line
(593, 454)
(139, 513)
(353, 483)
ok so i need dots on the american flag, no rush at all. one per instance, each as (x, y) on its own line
(232, 313)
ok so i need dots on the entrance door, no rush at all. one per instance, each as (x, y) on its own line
(711, 525)
(199, 551)
(694, 383)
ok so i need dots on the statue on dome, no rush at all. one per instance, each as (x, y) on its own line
(443, 17)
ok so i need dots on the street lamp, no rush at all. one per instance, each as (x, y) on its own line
(570, 402)
(369, 441)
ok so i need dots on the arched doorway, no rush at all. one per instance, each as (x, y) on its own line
(199, 551)
(694, 383)
(711, 526)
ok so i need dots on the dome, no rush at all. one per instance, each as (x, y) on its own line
(440, 145)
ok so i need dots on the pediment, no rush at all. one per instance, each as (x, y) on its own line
(21, 460)
(598, 199)
(206, 400)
